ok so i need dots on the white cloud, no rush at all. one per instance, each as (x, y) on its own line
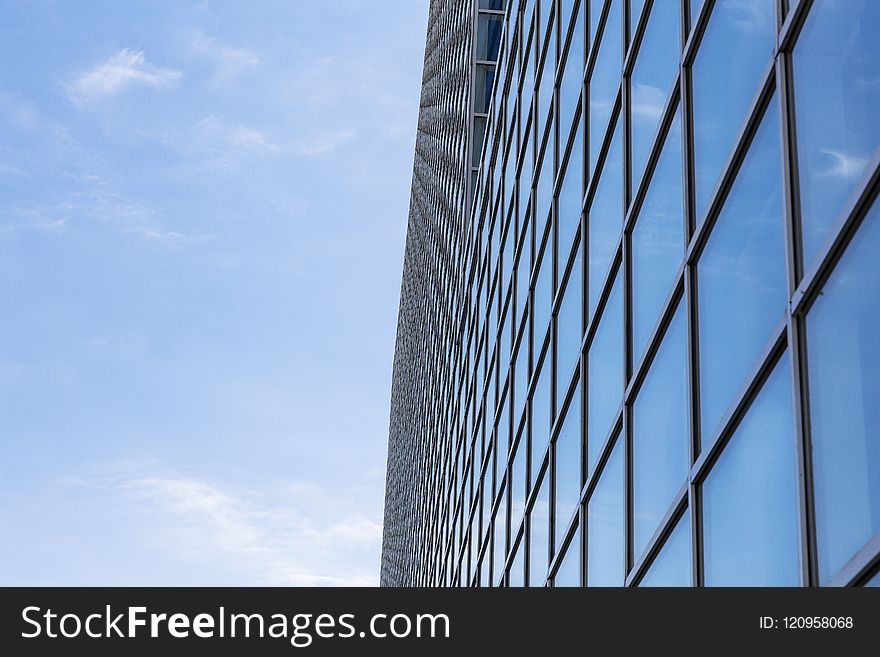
(648, 101)
(214, 133)
(843, 165)
(124, 69)
(327, 144)
(301, 536)
(230, 61)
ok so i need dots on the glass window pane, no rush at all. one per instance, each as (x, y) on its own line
(605, 518)
(605, 220)
(844, 376)
(660, 434)
(569, 572)
(836, 65)
(517, 482)
(544, 187)
(543, 295)
(672, 567)
(741, 275)
(522, 280)
(489, 36)
(605, 80)
(539, 536)
(540, 416)
(500, 538)
(652, 77)
(548, 69)
(570, 202)
(571, 84)
(528, 83)
(568, 466)
(657, 241)
(605, 374)
(750, 506)
(635, 10)
(595, 14)
(485, 78)
(520, 380)
(516, 577)
(569, 328)
(479, 131)
(735, 50)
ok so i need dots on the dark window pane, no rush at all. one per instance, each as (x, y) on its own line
(488, 36)
(605, 374)
(836, 64)
(485, 77)
(604, 81)
(672, 567)
(568, 466)
(479, 131)
(844, 375)
(657, 241)
(569, 573)
(735, 50)
(652, 77)
(605, 515)
(660, 434)
(741, 275)
(605, 220)
(750, 507)
(539, 535)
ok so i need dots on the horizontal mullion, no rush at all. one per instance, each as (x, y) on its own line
(731, 167)
(636, 39)
(658, 539)
(742, 401)
(860, 566)
(848, 222)
(592, 479)
(670, 306)
(790, 29)
(657, 143)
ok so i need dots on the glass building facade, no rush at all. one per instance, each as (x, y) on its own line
(639, 330)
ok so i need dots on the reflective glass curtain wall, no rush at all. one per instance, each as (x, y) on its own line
(646, 353)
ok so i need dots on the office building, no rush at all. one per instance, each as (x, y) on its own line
(639, 329)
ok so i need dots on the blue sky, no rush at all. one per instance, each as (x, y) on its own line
(202, 216)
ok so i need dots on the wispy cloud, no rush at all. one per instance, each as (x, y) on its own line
(230, 62)
(843, 165)
(327, 143)
(124, 69)
(214, 131)
(301, 536)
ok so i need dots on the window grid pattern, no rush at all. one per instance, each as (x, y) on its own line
(480, 371)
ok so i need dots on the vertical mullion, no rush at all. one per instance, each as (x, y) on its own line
(690, 301)
(795, 326)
